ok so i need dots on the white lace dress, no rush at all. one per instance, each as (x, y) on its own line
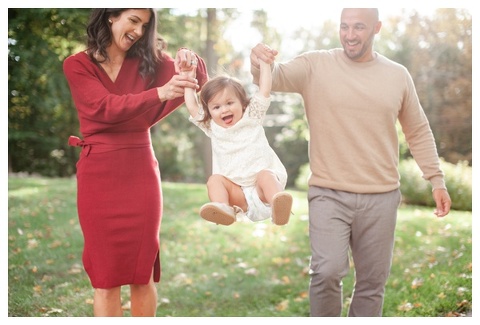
(241, 151)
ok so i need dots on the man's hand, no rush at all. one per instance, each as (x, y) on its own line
(443, 202)
(264, 53)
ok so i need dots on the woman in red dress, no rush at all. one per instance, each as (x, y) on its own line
(122, 85)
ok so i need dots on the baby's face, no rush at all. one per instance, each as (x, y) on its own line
(225, 108)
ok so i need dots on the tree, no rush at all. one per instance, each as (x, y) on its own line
(437, 51)
(183, 150)
(40, 113)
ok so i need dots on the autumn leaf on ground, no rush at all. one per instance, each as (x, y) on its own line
(54, 311)
(282, 306)
(285, 279)
(75, 269)
(251, 271)
(164, 301)
(126, 306)
(416, 283)
(302, 296)
(406, 306)
(32, 243)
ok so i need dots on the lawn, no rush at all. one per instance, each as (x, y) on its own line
(246, 269)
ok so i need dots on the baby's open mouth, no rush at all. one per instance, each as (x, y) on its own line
(228, 119)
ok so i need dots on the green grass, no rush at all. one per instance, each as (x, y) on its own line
(247, 269)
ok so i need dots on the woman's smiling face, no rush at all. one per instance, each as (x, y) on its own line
(129, 27)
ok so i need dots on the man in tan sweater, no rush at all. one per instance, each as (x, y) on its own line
(353, 98)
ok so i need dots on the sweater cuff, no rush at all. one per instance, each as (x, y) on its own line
(438, 182)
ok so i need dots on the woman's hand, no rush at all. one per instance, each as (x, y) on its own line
(176, 87)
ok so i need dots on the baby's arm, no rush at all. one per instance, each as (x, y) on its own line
(191, 99)
(265, 82)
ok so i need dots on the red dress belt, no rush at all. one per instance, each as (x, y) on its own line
(104, 142)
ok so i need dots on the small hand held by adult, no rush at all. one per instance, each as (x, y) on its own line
(185, 60)
(264, 53)
(176, 87)
(443, 202)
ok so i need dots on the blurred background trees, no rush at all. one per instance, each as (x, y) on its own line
(437, 50)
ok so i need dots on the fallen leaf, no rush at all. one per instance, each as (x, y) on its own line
(461, 291)
(75, 269)
(301, 297)
(282, 306)
(54, 311)
(32, 243)
(406, 306)
(416, 283)
(126, 306)
(463, 303)
(285, 279)
(453, 314)
(55, 244)
(164, 301)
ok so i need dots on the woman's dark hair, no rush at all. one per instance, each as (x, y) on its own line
(216, 85)
(148, 47)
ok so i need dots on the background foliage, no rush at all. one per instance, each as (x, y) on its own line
(436, 49)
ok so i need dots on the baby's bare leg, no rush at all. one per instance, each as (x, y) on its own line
(223, 190)
(268, 185)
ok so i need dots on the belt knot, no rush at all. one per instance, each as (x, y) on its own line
(77, 142)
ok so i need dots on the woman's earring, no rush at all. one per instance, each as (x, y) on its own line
(110, 21)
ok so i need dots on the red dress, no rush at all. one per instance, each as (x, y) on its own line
(119, 197)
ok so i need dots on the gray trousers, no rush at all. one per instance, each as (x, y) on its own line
(362, 224)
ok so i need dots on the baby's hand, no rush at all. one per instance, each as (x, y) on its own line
(186, 60)
(189, 71)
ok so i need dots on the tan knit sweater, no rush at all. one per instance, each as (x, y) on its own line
(352, 109)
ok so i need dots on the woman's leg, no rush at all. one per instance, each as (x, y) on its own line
(107, 302)
(143, 298)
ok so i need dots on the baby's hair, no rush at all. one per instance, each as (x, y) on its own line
(217, 84)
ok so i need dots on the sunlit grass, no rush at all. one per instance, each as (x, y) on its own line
(246, 269)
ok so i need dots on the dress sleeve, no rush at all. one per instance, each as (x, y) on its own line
(257, 109)
(202, 126)
(95, 102)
